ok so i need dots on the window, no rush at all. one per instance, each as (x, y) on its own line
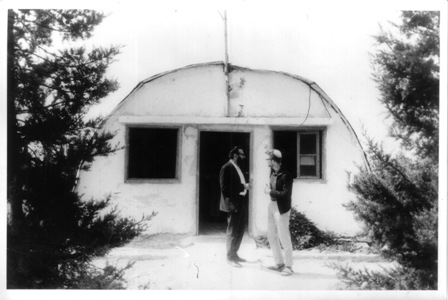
(302, 152)
(152, 153)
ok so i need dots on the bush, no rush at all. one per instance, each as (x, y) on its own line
(305, 234)
(397, 200)
(398, 278)
(108, 278)
(57, 252)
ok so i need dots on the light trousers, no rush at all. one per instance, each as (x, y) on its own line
(279, 235)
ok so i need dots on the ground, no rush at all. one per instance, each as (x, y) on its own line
(180, 262)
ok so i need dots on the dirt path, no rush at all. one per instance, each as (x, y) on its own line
(198, 263)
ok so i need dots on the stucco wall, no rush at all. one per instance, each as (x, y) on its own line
(201, 92)
(174, 201)
(321, 200)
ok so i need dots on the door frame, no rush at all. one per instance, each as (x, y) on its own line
(226, 129)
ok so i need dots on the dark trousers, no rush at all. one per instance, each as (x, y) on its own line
(236, 225)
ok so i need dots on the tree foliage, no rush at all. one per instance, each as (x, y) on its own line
(52, 234)
(397, 198)
(407, 74)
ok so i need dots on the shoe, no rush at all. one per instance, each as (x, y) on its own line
(287, 271)
(234, 263)
(239, 259)
(277, 268)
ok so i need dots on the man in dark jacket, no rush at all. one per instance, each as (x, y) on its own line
(234, 195)
(279, 211)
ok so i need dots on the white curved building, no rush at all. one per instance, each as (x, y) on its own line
(178, 127)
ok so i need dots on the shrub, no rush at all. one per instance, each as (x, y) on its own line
(398, 278)
(305, 234)
(110, 277)
(397, 200)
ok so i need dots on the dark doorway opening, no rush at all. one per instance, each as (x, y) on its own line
(214, 151)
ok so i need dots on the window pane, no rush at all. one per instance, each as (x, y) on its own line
(307, 161)
(302, 152)
(152, 153)
(308, 171)
(308, 144)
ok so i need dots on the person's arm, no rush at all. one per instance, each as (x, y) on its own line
(286, 188)
(224, 179)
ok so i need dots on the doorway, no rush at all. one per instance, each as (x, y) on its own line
(214, 151)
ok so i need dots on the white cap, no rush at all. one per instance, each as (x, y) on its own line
(274, 153)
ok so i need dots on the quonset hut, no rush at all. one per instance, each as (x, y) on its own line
(178, 127)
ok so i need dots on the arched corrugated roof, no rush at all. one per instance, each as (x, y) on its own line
(323, 96)
(314, 86)
(154, 77)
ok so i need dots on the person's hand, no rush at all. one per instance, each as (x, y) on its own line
(232, 207)
(267, 189)
(247, 186)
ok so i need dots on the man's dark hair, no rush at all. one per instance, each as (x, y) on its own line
(234, 151)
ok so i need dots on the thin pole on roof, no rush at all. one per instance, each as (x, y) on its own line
(226, 60)
(226, 46)
(226, 50)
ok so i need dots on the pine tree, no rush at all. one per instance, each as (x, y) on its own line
(52, 234)
(406, 70)
(397, 198)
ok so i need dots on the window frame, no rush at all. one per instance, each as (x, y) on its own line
(320, 140)
(318, 155)
(177, 177)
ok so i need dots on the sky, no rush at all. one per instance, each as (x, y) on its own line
(330, 46)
